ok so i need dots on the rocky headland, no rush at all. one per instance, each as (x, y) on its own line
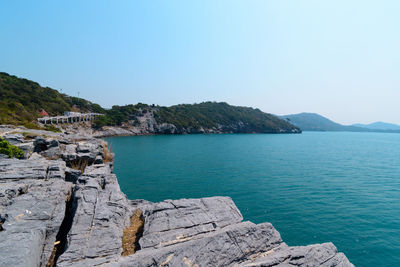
(145, 123)
(27, 103)
(62, 206)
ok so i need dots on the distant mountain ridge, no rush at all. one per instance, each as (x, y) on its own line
(379, 125)
(316, 122)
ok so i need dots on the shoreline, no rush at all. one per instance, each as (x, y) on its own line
(111, 131)
(80, 217)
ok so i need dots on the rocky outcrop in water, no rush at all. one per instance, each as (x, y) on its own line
(62, 206)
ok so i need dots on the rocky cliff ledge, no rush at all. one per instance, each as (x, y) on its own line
(62, 206)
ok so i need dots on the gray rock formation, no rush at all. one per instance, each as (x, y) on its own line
(63, 206)
(33, 208)
(170, 222)
(315, 255)
(15, 138)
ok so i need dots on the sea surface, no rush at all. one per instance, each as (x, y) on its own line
(313, 187)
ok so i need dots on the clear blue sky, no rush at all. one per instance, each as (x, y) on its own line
(337, 58)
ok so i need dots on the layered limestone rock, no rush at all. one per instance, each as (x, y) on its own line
(62, 206)
(32, 207)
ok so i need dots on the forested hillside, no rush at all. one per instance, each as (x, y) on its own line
(21, 101)
(213, 114)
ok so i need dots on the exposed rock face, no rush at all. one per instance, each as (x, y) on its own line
(146, 124)
(55, 211)
(314, 255)
(101, 213)
(33, 209)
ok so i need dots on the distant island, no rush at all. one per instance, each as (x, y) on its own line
(23, 101)
(384, 126)
(316, 122)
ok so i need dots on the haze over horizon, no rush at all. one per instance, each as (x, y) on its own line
(339, 59)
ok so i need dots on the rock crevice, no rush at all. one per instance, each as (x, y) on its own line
(62, 235)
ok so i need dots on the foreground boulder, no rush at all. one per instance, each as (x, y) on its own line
(63, 207)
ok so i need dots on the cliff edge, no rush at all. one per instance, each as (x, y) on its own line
(62, 206)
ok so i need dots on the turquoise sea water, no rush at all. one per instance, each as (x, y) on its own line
(313, 187)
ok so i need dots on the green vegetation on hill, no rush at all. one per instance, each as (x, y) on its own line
(213, 114)
(313, 122)
(120, 114)
(206, 115)
(21, 101)
(10, 150)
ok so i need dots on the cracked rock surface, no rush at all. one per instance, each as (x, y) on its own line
(54, 211)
